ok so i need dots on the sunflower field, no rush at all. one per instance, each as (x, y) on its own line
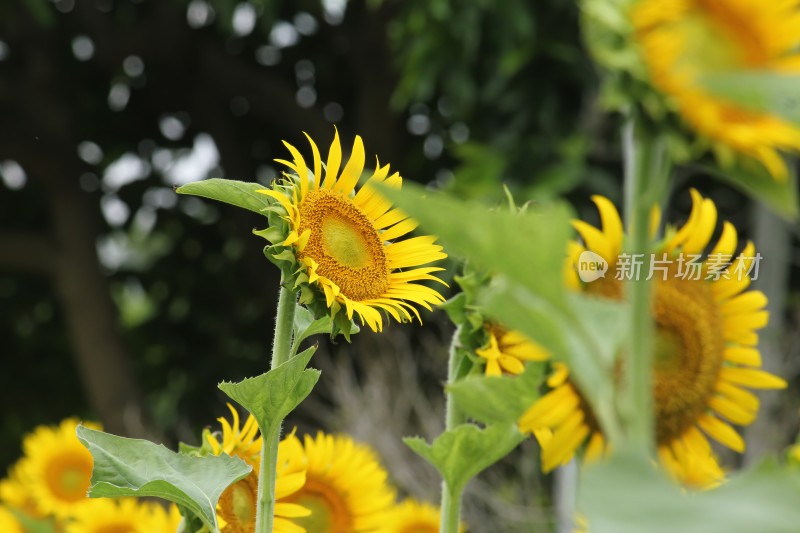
(399, 266)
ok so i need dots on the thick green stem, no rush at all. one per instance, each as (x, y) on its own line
(451, 497)
(282, 342)
(281, 346)
(645, 176)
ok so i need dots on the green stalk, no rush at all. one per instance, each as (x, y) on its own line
(451, 498)
(645, 177)
(271, 437)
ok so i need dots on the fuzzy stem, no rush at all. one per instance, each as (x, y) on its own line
(281, 346)
(451, 498)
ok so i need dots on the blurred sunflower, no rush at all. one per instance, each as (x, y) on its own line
(412, 516)
(342, 239)
(57, 467)
(705, 347)
(508, 350)
(9, 523)
(681, 40)
(346, 487)
(126, 515)
(15, 492)
(236, 509)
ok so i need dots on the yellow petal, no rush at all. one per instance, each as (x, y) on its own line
(352, 170)
(721, 432)
(752, 378)
(334, 160)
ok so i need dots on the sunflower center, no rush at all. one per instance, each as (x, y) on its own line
(688, 350)
(68, 476)
(345, 245)
(237, 505)
(329, 511)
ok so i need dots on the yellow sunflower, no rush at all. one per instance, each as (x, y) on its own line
(57, 467)
(412, 516)
(507, 351)
(236, 509)
(244, 442)
(682, 40)
(15, 492)
(705, 345)
(346, 487)
(343, 240)
(9, 523)
(125, 515)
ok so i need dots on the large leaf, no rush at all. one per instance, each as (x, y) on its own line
(627, 494)
(135, 467)
(588, 336)
(526, 253)
(528, 246)
(272, 396)
(239, 193)
(768, 92)
(492, 399)
(462, 453)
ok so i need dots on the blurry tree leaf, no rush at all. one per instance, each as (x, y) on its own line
(463, 452)
(135, 467)
(766, 92)
(752, 179)
(627, 494)
(272, 396)
(492, 399)
(239, 193)
(42, 11)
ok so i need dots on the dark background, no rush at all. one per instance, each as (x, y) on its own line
(121, 302)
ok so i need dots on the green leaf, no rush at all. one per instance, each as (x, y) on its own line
(272, 396)
(31, 524)
(305, 326)
(627, 494)
(527, 247)
(496, 399)
(753, 179)
(587, 336)
(135, 467)
(462, 453)
(767, 92)
(239, 193)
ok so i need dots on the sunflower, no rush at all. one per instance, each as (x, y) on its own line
(57, 467)
(244, 442)
(507, 350)
(346, 487)
(342, 240)
(412, 516)
(236, 509)
(15, 492)
(705, 346)
(125, 515)
(681, 40)
(8, 522)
